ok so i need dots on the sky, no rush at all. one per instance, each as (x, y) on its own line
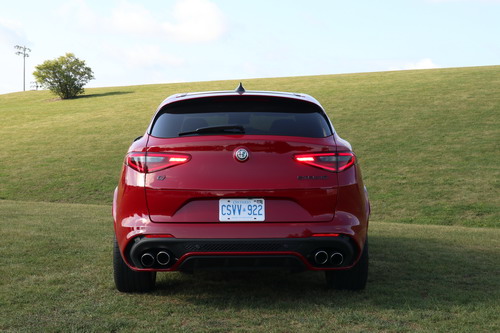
(132, 42)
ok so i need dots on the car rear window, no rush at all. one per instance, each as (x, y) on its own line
(257, 116)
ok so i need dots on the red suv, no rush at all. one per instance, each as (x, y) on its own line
(240, 180)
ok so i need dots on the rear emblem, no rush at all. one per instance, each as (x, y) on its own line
(241, 155)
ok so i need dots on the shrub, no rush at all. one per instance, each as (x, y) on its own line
(64, 76)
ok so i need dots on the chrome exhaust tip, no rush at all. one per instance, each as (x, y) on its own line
(320, 257)
(336, 259)
(147, 260)
(163, 258)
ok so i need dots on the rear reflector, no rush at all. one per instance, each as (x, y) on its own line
(329, 161)
(159, 236)
(150, 162)
(325, 235)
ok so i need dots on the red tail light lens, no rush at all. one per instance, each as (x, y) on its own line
(325, 235)
(151, 162)
(329, 161)
(159, 236)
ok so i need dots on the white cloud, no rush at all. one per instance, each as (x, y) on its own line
(425, 63)
(134, 18)
(79, 11)
(11, 32)
(194, 21)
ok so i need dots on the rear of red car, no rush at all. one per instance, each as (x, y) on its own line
(240, 180)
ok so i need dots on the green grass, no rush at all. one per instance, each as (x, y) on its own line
(427, 140)
(428, 144)
(56, 275)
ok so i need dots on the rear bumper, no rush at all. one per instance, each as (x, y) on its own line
(241, 254)
(255, 244)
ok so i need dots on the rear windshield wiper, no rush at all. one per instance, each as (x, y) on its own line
(227, 129)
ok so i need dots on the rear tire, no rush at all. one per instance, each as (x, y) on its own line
(128, 280)
(352, 279)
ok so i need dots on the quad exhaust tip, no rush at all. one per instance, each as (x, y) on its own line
(147, 260)
(163, 258)
(321, 257)
(336, 259)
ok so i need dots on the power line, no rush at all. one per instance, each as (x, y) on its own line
(23, 50)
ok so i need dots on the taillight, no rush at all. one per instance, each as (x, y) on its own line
(151, 162)
(159, 236)
(328, 161)
(325, 235)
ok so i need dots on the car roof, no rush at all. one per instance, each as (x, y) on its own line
(209, 94)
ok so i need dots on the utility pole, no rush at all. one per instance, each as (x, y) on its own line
(23, 50)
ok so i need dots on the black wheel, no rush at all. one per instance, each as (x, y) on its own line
(352, 279)
(127, 280)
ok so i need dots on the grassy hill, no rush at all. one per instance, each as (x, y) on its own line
(428, 140)
(428, 144)
(423, 278)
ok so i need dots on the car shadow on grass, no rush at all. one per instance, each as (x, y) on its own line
(404, 273)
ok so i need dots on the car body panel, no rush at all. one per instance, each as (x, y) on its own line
(181, 202)
(292, 194)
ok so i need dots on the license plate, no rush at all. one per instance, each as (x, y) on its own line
(241, 210)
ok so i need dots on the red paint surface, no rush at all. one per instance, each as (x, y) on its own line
(301, 200)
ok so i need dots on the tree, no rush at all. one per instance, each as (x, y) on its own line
(64, 76)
